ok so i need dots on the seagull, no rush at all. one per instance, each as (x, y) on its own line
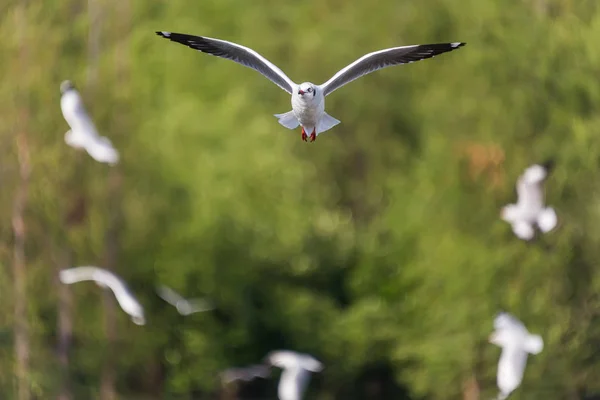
(529, 210)
(185, 307)
(245, 374)
(83, 133)
(104, 279)
(308, 99)
(511, 335)
(295, 374)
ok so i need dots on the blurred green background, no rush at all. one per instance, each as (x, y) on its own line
(378, 249)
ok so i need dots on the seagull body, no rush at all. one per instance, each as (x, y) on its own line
(184, 306)
(529, 210)
(516, 342)
(245, 374)
(308, 99)
(104, 279)
(83, 133)
(295, 374)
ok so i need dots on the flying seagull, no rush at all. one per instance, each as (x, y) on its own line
(511, 335)
(104, 279)
(529, 210)
(184, 307)
(295, 376)
(83, 133)
(308, 99)
(246, 373)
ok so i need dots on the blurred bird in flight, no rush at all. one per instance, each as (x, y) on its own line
(83, 133)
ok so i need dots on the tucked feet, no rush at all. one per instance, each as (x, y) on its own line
(313, 135)
(304, 136)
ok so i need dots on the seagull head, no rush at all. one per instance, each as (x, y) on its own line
(307, 90)
(65, 86)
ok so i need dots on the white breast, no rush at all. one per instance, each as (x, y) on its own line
(308, 112)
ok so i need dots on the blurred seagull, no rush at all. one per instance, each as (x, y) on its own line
(514, 339)
(308, 99)
(104, 279)
(295, 374)
(83, 133)
(184, 307)
(245, 374)
(529, 210)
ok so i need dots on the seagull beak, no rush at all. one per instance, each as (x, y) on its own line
(300, 92)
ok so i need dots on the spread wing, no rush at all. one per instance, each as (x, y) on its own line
(386, 58)
(234, 52)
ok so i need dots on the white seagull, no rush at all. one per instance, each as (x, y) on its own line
(529, 210)
(184, 306)
(295, 376)
(514, 339)
(104, 279)
(83, 133)
(308, 99)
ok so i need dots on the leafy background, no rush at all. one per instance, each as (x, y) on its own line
(378, 249)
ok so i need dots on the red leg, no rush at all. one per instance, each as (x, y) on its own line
(304, 136)
(313, 135)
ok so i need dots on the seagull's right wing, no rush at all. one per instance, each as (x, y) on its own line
(75, 113)
(169, 295)
(102, 150)
(234, 52)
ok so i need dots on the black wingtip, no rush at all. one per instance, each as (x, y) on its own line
(163, 34)
(456, 45)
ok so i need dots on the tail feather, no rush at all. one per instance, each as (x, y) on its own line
(288, 120)
(534, 344)
(327, 122)
(547, 220)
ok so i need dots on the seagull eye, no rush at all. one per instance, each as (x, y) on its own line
(309, 90)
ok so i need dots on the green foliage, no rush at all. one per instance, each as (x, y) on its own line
(378, 246)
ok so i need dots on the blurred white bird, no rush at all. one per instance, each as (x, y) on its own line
(83, 133)
(245, 373)
(184, 307)
(308, 99)
(529, 210)
(514, 339)
(104, 279)
(295, 373)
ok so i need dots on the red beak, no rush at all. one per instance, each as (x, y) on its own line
(300, 91)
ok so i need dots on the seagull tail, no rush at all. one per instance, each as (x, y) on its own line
(288, 120)
(327, 122)
(534, 344)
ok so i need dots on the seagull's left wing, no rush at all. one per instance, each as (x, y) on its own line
(386, 58)
(234, 52)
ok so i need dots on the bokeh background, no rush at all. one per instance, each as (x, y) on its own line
(378, 249)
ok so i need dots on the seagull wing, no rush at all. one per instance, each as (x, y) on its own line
(199, 305)
(102, 150)
(78, 274)
(169, 295)
(505, 320)
(234, 52)
(510, 368)
(76, 115)
(386, 58)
